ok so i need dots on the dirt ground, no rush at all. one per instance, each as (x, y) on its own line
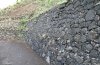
(23, 10)
(18, 53)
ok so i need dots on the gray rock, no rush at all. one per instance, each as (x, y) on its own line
(75, 30)
(98, 12)
(90, 15)
(43, 55)
(81, 20)
(87, 1)
(79, 59)
(84, 30)
(48, 59)
(87, 62)
(89, 47)
(69, 7)
(92, 35)
(97, 18)
(83, 38)
(82, 25)
(98, 23)
(87, 24)
(94, 54)
(75, 26)
(71, 55)
(97, 7)
(75, 49)
(77, 38)
(99, 40)
(92, 26)
(77, 4)
(69, 48)
(88, 6)
(97, 30)
(96, 46)
(99, 49)
(59, 58)
(95, 61)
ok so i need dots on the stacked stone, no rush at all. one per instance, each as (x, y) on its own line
(68, 34)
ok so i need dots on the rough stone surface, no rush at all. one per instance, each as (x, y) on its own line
(90, 15)
(68, 34)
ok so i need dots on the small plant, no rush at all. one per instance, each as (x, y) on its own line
(23, 22)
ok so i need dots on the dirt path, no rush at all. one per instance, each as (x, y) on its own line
(23, 10)
(17, 53)
(10, 22)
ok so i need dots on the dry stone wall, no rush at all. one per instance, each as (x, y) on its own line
(68, 34)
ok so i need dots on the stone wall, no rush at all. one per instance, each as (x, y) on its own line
(68, 34)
